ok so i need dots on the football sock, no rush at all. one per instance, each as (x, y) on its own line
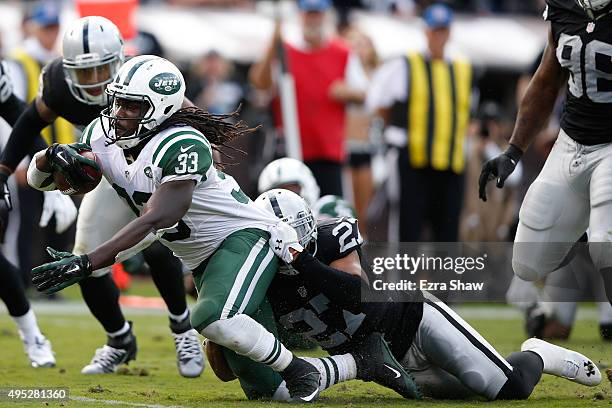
(526, 373)
(120, 332)
(334, 369)
(248, 338)
(102, 298)
(12, 292)
(180, 323)
(167, 274)
(27, 325)
(179, 318)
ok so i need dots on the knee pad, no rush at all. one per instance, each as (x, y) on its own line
(527, 261)
(600, 248)
(233, 333)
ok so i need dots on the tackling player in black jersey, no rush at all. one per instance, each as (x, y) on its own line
(319, 296)
(572, 193)
(73, 88)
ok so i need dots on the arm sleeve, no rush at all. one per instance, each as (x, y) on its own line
(37, 179)
(25, 137)
(338, 286)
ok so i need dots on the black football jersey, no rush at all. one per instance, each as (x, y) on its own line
(584, 48)
(57, 96)
(302, 309)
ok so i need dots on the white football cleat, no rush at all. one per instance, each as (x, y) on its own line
(39, 351)
(189, 354)
(561, 362)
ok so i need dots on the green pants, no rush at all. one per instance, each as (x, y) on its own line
(235, 278)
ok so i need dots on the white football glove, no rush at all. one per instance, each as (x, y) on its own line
(62, 206)
(283, 238)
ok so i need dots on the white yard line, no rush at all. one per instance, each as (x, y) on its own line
(466, 311)
(123, 403)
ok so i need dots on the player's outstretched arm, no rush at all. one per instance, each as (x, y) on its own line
(534, 113)
(165, 208)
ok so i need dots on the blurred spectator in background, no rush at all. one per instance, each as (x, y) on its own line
(493, 222)
(327, 77)
(43, 26)
(424, 99)
(212, 87)
(358, 125)
(144, 43)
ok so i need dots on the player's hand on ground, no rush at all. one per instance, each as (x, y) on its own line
(500, 168)
(66, 159)
(60, 205)
(284, 241)
(66, 270)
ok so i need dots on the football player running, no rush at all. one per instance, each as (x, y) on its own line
(320, 296)
(72, 87)
(572, 192)
(193, 208)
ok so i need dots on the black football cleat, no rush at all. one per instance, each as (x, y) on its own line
(302, 380)
(375, 362)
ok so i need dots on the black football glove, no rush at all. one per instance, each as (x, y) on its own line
(499, 168)
(66, 270)
(66, 159)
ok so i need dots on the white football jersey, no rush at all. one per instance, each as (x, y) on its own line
(218, 208)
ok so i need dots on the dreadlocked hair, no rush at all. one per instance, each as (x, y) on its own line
(216, 128)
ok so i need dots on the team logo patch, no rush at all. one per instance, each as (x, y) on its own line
(165, 83)
(148, 172)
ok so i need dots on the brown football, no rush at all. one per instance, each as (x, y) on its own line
(63, 186)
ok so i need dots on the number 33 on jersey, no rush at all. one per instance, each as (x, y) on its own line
(218, 208)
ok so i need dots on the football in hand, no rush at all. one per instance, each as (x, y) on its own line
(62, 184)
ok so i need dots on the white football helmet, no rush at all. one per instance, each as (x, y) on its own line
(292, 209)
(290, 171)
(92, 50)
(154, 82)
(593, 6)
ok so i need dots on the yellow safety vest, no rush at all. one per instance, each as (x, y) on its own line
(439, 96)
(60, 131)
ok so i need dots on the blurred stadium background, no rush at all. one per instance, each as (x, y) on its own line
(215, 42)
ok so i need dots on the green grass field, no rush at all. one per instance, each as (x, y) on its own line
(153, 380)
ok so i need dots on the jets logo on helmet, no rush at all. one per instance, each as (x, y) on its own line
(92, 50)
(165, 84)
(146, 91)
